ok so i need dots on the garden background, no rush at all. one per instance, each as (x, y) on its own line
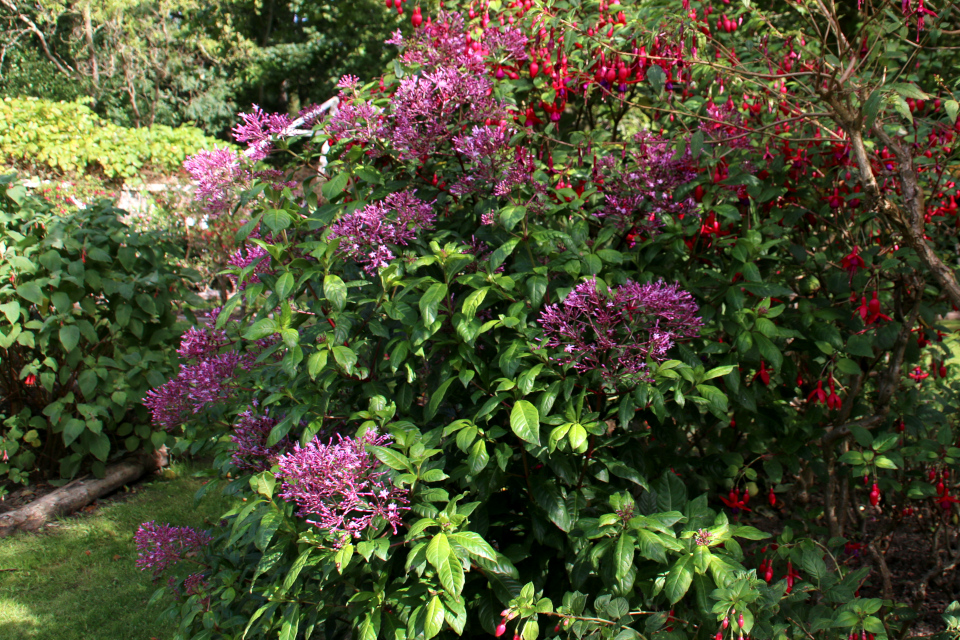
(560, 319)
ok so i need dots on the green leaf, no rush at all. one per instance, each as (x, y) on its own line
(871, 108)
(267, 527)
(345, 357)
(11, 310)
(473, 544)
(679, 579)
(908, 90)
(100, 447)
(261, 329)
(334, 186)
(391, 458)
(502, 253)
(717, 372)
(69, 337)
(436, 397)
(651, 547)
(284, 286)
(277, 220)
(316, 362)
(525, 422)
(30, 291)
(335, 291)
(438, 551)
(430, 302)
(72, 430)
(434, 618)
(473, 302)
(952, 107)
(657, 78)
(623, 555)
(671, 493)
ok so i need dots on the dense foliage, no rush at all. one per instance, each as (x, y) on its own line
(67, 138)
(89, 311)
(583, 281)
(177, 62)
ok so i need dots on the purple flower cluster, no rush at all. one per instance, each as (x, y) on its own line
(365, 234)
(340, 487)
(249, 254)
(639, 190)
(618, 332)
(161, 546)
(208, 380)
(250, 434)
(195, 584)
(426, 108)
(257, 128)
(442, 42)
(490, 160)
(217, 172)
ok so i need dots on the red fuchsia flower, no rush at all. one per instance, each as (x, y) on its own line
(617, 332)
(874, 495)
(791, 577)
(501, 629)
(772, 498)
(945, 500)
(341, 487)
(734, 501)
(873, 309)
(763, 374)
(835, 200)
(30, 380)
(833, 400)
(853, 262)
(919, 375)
(818, 394)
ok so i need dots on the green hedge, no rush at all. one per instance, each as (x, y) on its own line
(42, 136)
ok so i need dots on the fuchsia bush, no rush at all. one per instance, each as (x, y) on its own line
(579, 281)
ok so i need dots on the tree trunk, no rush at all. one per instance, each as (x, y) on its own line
(88, 37)
(78, 494)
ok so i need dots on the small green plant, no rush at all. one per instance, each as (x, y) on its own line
(87, 311)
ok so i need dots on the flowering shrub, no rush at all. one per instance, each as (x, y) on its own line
(89, 309)
(603, 275)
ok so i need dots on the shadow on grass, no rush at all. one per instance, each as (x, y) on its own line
(77, 580)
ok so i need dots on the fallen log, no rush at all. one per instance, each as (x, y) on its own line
(77, 494)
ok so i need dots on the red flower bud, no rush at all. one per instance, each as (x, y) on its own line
(501, 629)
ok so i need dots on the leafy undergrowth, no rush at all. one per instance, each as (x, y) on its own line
(78, 581)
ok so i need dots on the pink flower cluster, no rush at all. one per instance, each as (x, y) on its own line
(208, 380)
(365, 234)
(618, 332)
(217, 172)
(489, 160)
(639, 189)
(427, 107)
(161, 546)
(251, 253)
(257, 128)
(250, 434)
(340, 487)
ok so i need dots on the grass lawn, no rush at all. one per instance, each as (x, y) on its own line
(77, 581)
